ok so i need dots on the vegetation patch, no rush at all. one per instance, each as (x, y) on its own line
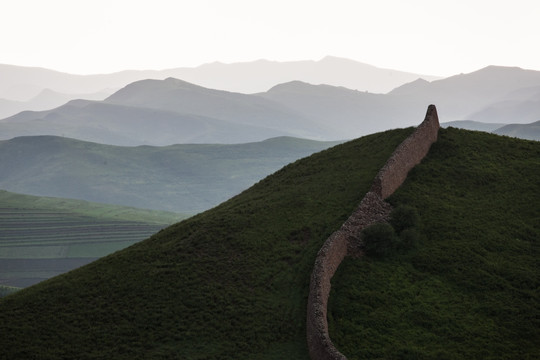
(398, 234)
(379, 239)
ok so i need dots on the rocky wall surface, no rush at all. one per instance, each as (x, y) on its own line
(372, 209)
(407, 155)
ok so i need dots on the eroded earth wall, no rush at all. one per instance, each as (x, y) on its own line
(372, 209)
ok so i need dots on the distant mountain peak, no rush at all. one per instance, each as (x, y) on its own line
(336, 59)
(180, 83)
(175, 81)
(411, 87)
(290, 86)
(148, 86)
(500, 68)
(304, 88)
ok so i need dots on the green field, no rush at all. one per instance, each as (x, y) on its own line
(42, 237)
(232, 282)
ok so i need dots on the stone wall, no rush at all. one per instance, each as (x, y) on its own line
(372, 209)
(407, 155)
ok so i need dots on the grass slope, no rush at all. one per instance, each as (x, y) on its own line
(470, 290)
(42, 237)
(230, 283)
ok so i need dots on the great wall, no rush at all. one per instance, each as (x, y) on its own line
(372, 209)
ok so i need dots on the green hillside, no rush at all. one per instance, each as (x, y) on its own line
(470, 290)
(232, 283)
(42, 237)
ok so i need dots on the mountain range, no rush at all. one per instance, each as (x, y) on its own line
(171, 111)
(523, 131)
(470, 96)
(46, 99)
(21, 85)
(186, 178)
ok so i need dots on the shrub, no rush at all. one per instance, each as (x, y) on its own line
(400, 233)
(404, 217)
(379, 239)
(408, 239)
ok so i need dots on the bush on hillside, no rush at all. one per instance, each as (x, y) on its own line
(408, 239)
(400, 233)
(379, 239)
(404, 217)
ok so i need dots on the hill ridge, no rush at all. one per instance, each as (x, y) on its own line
(372, 209)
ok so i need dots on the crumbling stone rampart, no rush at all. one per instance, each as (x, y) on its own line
(372, 209)
(407, 155)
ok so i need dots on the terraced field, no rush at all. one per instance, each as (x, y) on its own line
(38, 243)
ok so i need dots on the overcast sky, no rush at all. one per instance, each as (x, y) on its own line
(423, 36)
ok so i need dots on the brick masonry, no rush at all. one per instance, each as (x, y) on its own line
(372, 209)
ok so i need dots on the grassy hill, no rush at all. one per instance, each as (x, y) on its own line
(42, 237)
(471, 288)
(232, 282)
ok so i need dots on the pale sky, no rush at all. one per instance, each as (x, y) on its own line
(423, 36)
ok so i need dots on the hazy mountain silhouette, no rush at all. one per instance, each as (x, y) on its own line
(522, 131)
(45, 100)
(183, 97)
(529, 131)
(129, 126)
(472, 125)
(22, 83)
(165, 112)
(261, 75)
(490, 95)
(460, 96)
(522, 106)
(350, 112)
(170, 111)
(506, 111)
